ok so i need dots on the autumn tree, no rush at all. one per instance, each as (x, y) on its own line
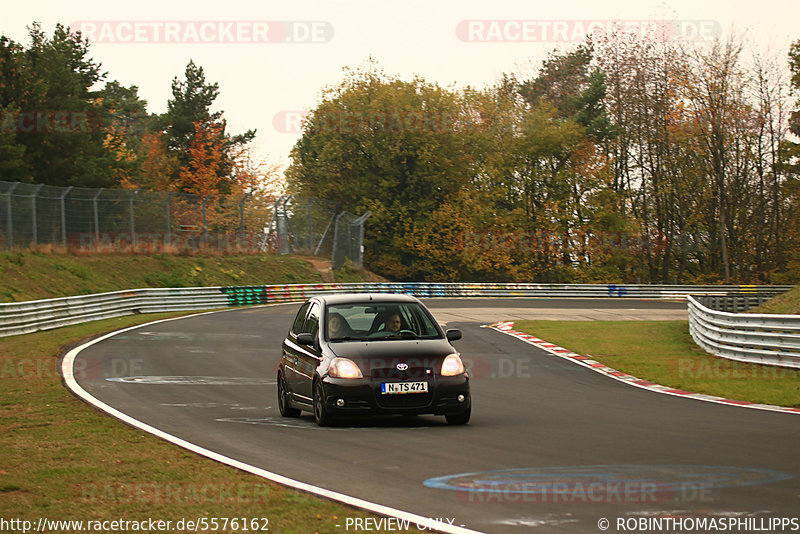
(190, 108)
(125, 125)
(790, 162)
(397, 148)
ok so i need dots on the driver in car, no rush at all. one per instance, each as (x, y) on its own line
(393, 323)
(338, 328)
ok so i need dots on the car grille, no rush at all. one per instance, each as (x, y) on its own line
(409, 400)
(412, 373)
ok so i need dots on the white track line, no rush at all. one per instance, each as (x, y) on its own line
(67, 370)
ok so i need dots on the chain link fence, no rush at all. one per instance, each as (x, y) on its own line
(348, 237)
(317, 227)
(122, 220)
(128, 220)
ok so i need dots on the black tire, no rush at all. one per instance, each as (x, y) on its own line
(322, 414)
(283, 400)
(459, 418)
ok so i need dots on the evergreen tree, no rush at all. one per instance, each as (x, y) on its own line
(64, 133)
(190, 106)
(13, 72)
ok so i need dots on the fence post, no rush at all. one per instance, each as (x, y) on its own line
(64, 217)
(96, 219)
(360, 252)
(10, 219)
(241, 218)
(133, 222)
(282, 225)
(321, 239)
(205, 224)
(169, 223)
(289, 230)
(310, 228)
(34, 222)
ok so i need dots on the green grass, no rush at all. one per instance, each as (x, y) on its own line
(63, 460)
(788, 303)
(664, 352)
(34, 275)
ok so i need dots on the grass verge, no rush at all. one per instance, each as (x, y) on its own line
(788, 303)
(63, 460)
(664, 352)
(29, 275)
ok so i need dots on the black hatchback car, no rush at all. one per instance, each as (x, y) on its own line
(371, 354)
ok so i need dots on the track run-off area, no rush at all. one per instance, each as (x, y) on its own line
(551, 447)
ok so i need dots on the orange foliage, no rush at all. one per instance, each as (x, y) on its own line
(204, 173)
(157, 166)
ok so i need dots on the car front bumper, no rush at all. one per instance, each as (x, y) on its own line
(363, 396)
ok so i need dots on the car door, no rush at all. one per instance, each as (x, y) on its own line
(292, 350)
(308, 356)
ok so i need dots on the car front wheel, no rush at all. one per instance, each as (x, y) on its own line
(461, 418)
(322, 413)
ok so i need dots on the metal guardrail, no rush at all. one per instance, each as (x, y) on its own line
(732, 303)
(746, 337)
(33, 316)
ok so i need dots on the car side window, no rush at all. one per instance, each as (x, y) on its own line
(299, 321)
(312, 323)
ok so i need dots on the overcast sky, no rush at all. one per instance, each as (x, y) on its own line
(251, 48)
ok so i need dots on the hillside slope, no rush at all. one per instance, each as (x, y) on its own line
(32, 275)
(788, 303)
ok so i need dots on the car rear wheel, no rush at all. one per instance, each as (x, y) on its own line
(322, 413)
(283, 400)
(459, 418)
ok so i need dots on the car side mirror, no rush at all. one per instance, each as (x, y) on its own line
(453, 334)
(305, 339)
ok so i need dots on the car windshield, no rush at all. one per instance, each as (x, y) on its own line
(379, 321)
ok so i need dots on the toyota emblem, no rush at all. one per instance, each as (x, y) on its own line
(402, 366)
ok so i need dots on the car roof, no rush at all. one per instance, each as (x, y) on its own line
(353, 298)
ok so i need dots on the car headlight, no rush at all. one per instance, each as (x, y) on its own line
(344, 368)
(452, 365)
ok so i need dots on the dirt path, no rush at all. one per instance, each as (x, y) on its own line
(324, 267)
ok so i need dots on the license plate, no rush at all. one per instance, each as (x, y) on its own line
(399, 388)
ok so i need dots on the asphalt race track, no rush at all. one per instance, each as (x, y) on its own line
(551, 447)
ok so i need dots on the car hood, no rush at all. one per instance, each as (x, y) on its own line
(387, 354)
(392, 348)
